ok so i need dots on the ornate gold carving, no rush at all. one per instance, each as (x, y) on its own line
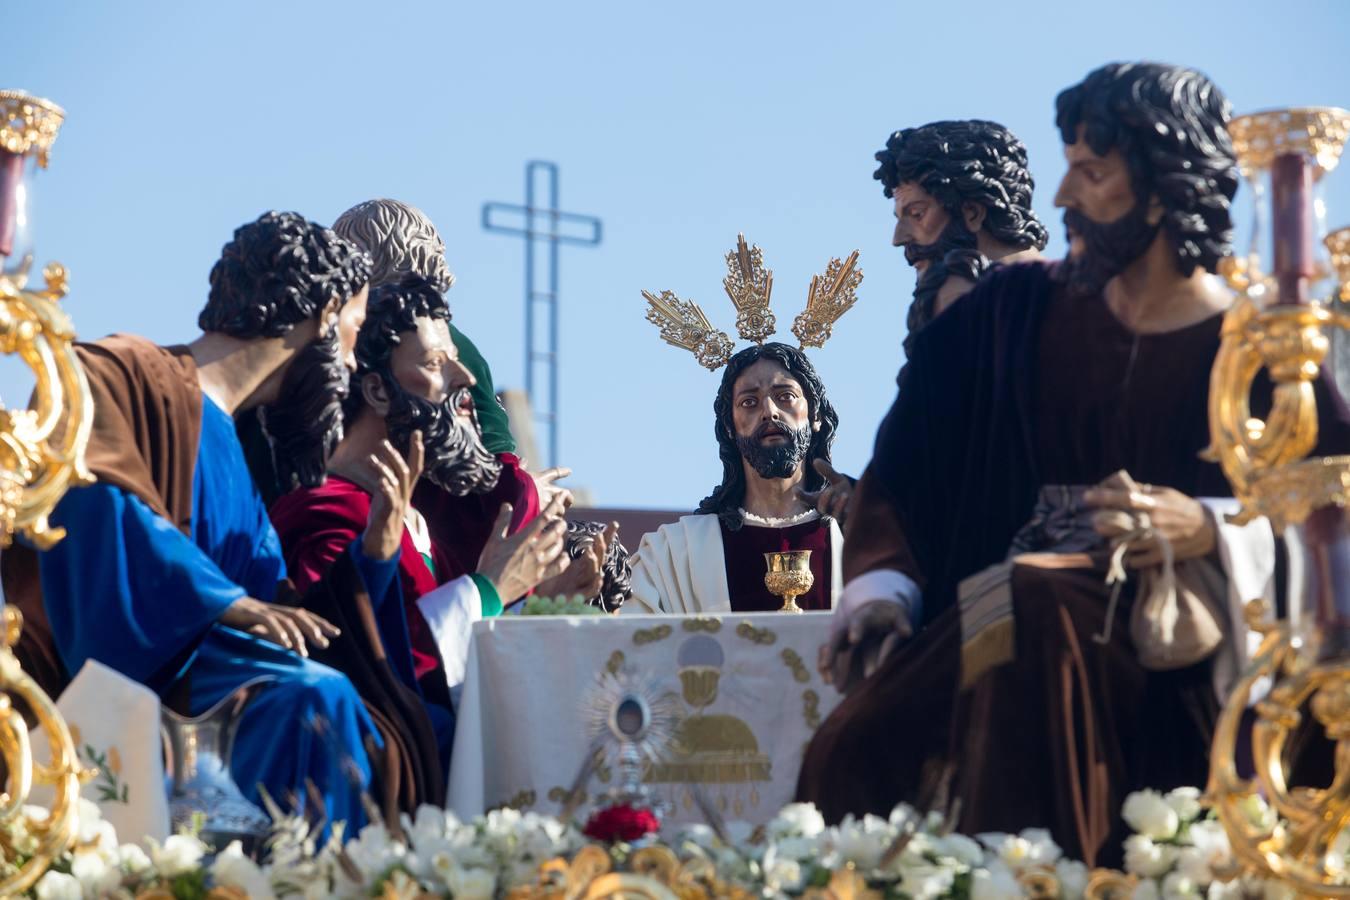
(1301, 854)
(42, 448)
(1338, 246)
(684, 324)
(29, 124)
(788, 576)
(1290, 342)
(1316, 132)
(702, 624)
(644, 636)
(830, 296)
(762, 636)
(56, 832)
(1106, 884)
(749, 286)
(560, 795)
(653, 873)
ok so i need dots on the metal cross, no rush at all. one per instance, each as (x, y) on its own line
(542, 223)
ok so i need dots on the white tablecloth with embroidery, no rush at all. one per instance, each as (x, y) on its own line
(747, 689)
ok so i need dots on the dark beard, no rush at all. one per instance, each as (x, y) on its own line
(304, 426)
(955, 236)
(456, 459)
(780, 460)
(1108, 249)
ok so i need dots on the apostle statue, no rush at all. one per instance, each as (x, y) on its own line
(962, 194)
(410, 416)
(1049, 421)
(170, 566)
(401, 240)
(774, 426)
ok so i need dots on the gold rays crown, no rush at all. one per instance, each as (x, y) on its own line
(749, 285)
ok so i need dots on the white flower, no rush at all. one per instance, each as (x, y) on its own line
(1232, 890)
(180, 854)
(699, 835)
(798, 848)
(1145, 858)
(796, 820)
(232, 868)
(373, 852)
(926, 882)
(960, 848)
(1146, 890)
(97, 874)
(1148, 813)
(862, 841)
(1210, 850)
(1186, 802)
(132, 859)
(1073, 878)
(59, 886)
(1032, 847)
(781, 874)
(1177, 886)
(1258, 812)
(997, 882)
(471, 884)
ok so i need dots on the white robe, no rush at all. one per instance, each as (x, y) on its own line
(680, 568)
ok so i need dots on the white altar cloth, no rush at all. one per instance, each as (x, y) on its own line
(746, 685)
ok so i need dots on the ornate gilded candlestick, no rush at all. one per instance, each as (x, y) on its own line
(41, 454)
(1280, 324)
(789, 576)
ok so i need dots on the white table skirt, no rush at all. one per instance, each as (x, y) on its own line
(523, 727)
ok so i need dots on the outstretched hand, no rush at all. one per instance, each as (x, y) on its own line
(861, 642)
(545, 484)
(834, 497)
(394, 479)
(516, 563)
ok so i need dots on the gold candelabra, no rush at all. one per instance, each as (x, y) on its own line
(41, 455)
(1281, 323)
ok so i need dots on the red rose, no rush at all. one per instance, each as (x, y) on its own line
(621, 823)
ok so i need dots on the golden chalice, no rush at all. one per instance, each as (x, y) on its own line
(789, 576)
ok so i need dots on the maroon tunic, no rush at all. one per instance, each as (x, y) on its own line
(744, 552)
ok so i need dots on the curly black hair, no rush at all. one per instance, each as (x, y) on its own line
(393, 310)
(726, 499)
(969, 160)
(278, 271)
(616, 568)
(1170, 124)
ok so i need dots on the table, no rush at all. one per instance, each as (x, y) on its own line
(745, 685)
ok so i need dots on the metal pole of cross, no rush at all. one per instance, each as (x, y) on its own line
(538, 221)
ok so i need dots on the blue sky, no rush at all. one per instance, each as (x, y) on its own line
(679, 124)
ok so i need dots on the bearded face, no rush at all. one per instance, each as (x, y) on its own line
(455, 459)
(1106, 249)
(954, 236)
(304, 426)
(779, 457)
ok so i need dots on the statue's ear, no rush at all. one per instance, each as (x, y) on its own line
(972, 214)
(375, 394)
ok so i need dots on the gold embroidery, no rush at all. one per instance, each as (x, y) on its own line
(651, 635)
(711, 626)
(793, 659)
(761, 636)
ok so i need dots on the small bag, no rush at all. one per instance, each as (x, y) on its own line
(1179, 615)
